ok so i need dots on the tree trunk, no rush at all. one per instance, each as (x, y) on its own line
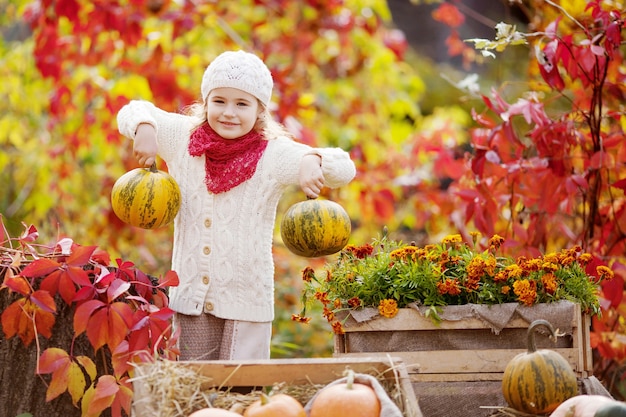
(21, 390)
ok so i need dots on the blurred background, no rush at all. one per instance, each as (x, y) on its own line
(395, 83)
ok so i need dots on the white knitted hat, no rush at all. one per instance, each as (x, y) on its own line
(241, 70)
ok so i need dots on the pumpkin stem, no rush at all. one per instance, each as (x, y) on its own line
(153, 168)
(532, 347)
(350, 380)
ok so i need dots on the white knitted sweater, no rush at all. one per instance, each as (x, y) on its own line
(222, 248)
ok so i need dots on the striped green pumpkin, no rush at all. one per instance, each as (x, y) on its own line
(146, 198)
(538, 381)
(315, 228)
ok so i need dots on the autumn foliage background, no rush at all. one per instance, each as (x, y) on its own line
(532, 148)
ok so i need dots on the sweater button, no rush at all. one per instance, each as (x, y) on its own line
(207, 223)
(206, 250)
(205, 279)
(208, 306)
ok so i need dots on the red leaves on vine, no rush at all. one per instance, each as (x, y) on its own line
(123, 313)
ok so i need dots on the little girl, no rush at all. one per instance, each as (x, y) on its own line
(232, 163)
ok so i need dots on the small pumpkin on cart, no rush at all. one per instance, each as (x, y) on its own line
(146, 197)
(538, 381)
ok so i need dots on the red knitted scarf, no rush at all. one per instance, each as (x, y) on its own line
(229, 162)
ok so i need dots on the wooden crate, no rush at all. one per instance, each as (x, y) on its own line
(434, 355)
(258, 373)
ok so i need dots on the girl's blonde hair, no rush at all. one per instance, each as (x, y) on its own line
(265, 124)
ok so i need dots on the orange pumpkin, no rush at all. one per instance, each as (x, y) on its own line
(282, 405)
(213, 412)
(346, 399)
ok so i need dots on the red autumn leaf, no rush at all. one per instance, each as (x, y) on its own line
(621, 184)
(30, 234)
(51, 360)
(123, 398)
(116, 289)
(81, 255)
(100, 397)
(40, 268)
(83, 313)
(613, 290)
(44, 301)
(448, 14)
(169, 280)
(67, 8)
(384, 204)
(17, 284)
(60, 282)
(106, 324)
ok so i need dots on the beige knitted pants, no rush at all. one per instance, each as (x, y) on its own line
(206, 337)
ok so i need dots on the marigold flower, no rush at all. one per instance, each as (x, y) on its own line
(526, 291)
(322, 297)
(338, 328)
(388, 308)
(337, 303)
(308, 274)
(328, 314)
(300, 319)
(605, 273)
(549, 266)
(452, 239)
(449, 286)
(354, 302)
(584, 258)
(549, 283)
(514, 271)
(495, 242)
(505, 289)
(360, 252)
(329, 276)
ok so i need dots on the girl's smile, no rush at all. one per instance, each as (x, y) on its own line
(232, 112)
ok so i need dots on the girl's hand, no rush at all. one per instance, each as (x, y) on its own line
(145, 145)
(311, 176)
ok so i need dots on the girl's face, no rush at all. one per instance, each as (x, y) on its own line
(231, 112)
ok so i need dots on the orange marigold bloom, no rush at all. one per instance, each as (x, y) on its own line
(308, 274)
(501, 276)
(505, 289)
(584, 258)
(514, 271)
(449, 286)
(328, 314)
(549, 266)
(338, 328)
(526, 291)
(337, 303)
(298, 318)
(605, 273)
(322, 297)
(495, 242)
(329, 276)
(388, 308)
(549, 283)
(551, 257)
(568, 260)
(354, 302)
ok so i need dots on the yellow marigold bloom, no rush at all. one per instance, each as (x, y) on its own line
(526, 291)
(605, 273)
(514, 271)
(337, 303)
(388, 308)
(551, 257)
(584, 258)
(452, 239)
(298, 318)
(475, 268)
(308, 274)
(338, 328)
(501, 276)
(490, 265)
(532, 265)
(495, 242)
(549, 266)
(549, 283)
(567, 260)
